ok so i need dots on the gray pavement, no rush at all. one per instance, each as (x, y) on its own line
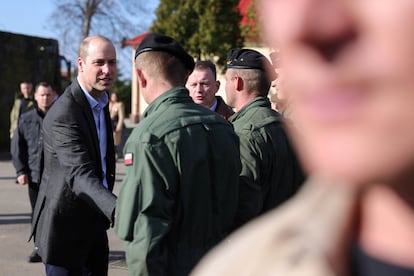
(15, 228)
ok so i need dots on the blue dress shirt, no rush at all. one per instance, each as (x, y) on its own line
(99, 116)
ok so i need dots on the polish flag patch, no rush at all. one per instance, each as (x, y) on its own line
(128, 159)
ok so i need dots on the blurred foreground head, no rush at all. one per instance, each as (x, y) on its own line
(348, 69)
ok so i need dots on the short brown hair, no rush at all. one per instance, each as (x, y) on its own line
(206, 64)
(256, 80)
(163, 66)
(44, 84)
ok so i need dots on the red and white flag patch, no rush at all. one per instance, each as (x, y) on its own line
(128, 159)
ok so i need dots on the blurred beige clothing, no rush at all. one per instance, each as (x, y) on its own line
(117, 113)
(307, 236)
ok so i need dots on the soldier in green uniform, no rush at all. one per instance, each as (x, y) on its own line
(179, 196)
(270, 172)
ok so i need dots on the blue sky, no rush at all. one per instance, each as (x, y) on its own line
(26, 17)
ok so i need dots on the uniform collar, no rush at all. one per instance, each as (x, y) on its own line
(177, 94)
(256, 102)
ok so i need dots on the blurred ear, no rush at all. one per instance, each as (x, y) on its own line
(238, 83)
(80, 64)
(217, 86)
(141, 77)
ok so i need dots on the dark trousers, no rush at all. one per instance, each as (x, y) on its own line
(33, 192)
(96, 264)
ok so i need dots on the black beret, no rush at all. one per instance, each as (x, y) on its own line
(163, 43)
(249, 59)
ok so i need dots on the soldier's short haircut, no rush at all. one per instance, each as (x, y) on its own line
(163, 66)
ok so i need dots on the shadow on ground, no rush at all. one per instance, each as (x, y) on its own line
(10, 218)
(117, 259)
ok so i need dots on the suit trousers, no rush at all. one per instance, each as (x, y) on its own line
(95, 265)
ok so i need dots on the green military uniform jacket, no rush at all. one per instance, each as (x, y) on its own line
(270, 171)
(179, 196)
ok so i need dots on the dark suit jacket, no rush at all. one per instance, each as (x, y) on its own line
(223, 109)
(73, 205)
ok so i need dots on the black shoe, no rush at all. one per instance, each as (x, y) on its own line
(34, 257)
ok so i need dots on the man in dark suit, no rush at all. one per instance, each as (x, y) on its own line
(203, 86)
(76, 205)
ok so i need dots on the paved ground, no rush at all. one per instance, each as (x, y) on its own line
(15, 227)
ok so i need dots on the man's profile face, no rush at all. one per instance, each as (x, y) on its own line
(348, 69)
(203, 87)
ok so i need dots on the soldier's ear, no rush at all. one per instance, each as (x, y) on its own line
(141, 77)
(238, 83)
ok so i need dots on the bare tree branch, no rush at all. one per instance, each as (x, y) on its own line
(73, 20)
